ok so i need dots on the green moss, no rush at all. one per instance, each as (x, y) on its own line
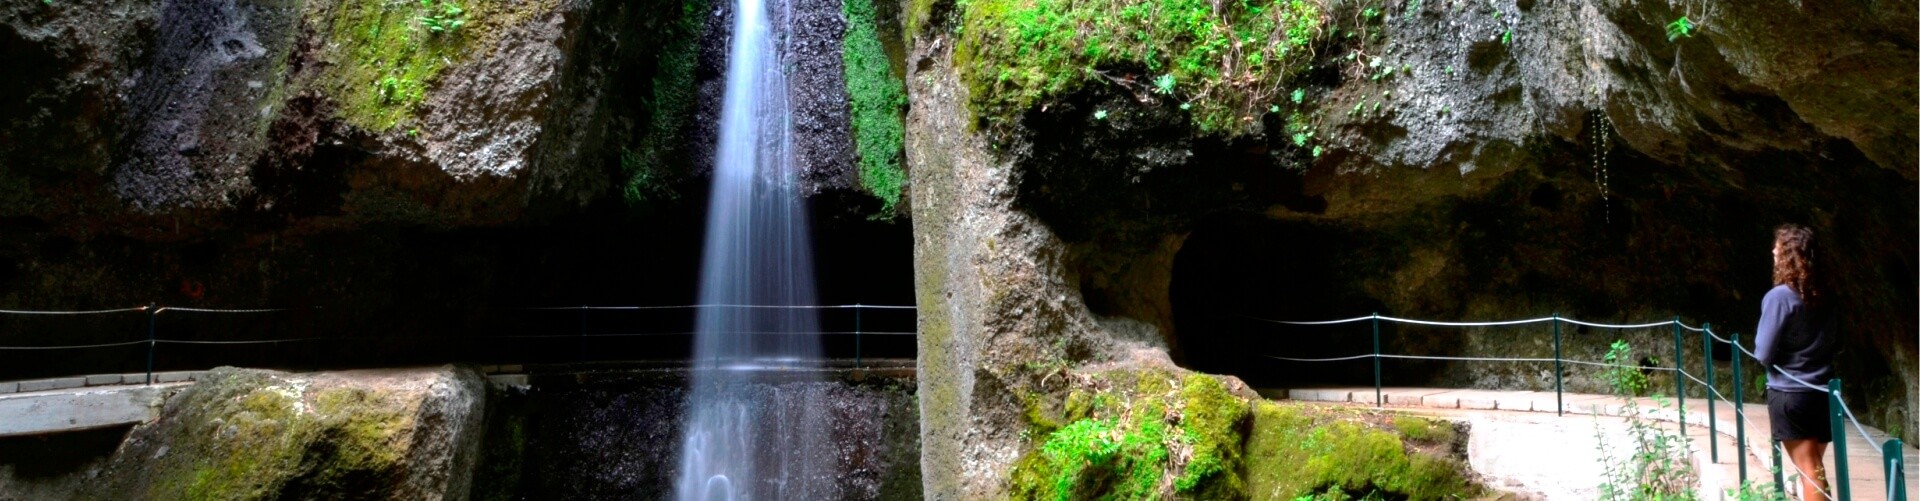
(364, 430)
(1155, 436)
(262, 429)
(383, 58)
(1295, 451)
(672, 101)
(1425, 430)
(878, 97)
(246, 436)
(1226, 62)
(387, 60)
(1210, 421)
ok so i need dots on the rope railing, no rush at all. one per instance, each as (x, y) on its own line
(153, 340)
(72, 312)
(1839, 414)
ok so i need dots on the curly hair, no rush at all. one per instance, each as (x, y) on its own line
(1795, 266)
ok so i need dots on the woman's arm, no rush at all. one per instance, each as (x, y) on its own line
(1773, 318)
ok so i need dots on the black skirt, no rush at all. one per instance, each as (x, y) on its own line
(1799, 415)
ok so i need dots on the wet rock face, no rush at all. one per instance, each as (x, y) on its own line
(195, 110)
(620, 436)
(817, 90)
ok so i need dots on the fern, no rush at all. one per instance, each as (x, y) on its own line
(1680, 28)
(449, 18)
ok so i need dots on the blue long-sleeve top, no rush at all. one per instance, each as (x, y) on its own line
(1798, 340)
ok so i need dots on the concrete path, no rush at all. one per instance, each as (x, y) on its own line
(1866, 472)
(60, 410)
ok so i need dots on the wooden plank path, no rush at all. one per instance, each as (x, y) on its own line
(1866, 472)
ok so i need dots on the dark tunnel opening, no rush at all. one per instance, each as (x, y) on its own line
(1239, 277)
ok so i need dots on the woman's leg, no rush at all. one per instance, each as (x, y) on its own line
(1807, 455)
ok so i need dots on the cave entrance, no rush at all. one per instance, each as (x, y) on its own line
(1237, 273)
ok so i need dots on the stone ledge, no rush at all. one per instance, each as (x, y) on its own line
(52, 384)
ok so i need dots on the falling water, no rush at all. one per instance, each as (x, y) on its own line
(744, 439)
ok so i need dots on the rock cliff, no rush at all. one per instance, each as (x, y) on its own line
(1454, 160)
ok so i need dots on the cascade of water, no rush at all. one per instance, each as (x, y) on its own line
(742, 439)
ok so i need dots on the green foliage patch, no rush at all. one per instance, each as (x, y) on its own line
(878, 97)
(1224, 62)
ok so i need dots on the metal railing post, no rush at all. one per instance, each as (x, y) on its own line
(1377, 400)
(1779, 475)
(1559, 406)
(1679, 380)
(1896, 469)
(1713, 423)
(1739, 412)
(153, 313)
(1838, 416)
(856, 336)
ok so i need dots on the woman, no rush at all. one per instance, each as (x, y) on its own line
(1796, 340)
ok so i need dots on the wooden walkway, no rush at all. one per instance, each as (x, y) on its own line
(1868, 479)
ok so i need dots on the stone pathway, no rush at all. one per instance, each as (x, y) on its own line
(1866, 471)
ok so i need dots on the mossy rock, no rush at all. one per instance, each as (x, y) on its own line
(1159, 434)
(1297, 451)
(253, 434)
(386, 56)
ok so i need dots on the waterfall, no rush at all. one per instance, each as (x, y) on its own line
(743, 440)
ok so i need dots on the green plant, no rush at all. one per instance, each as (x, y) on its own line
(1626, 380)
(447, 18)
(878, 99)
(1656, 467)
(1680, 28)
(1754, 491)
(1100, 114)
(1163, 84)
(393, 89)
